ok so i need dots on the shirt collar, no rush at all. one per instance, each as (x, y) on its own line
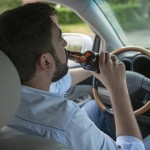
(27, 89)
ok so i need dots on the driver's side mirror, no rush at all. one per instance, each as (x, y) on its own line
(78, 42)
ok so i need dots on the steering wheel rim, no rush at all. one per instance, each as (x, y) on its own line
(102, 106)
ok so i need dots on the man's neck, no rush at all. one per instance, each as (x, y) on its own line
(37, 84)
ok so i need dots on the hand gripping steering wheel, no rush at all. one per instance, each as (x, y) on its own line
(141, 82)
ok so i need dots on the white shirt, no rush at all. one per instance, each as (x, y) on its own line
(62, 85)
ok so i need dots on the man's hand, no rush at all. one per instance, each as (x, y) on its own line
(112, 71)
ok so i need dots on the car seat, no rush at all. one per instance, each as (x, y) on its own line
(11, 139)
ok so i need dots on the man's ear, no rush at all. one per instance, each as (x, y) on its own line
(45, 61)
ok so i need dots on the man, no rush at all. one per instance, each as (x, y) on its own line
(32, 40)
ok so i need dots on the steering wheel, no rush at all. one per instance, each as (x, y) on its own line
(139, 82)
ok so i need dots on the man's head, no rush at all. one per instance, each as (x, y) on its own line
(32, 40)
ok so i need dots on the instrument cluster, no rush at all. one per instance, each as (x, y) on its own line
(139, 63)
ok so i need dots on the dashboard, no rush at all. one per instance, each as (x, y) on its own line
(135, 61)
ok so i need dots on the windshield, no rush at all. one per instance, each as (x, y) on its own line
(133, 16)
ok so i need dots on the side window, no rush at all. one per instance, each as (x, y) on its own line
(7, 4)
(70, 22)
(76, 32)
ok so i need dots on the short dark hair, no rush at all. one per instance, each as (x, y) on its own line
(25, 33)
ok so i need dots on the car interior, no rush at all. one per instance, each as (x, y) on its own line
(132, 48)
(11, 139)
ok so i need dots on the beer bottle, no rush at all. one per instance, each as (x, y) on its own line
(88, 60)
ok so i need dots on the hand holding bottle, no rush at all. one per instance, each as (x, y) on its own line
(112, 72)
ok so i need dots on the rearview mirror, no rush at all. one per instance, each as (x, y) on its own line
(78, 42)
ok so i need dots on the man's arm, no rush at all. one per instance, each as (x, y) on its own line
(78, 75)
(113, 77)
(126, 123)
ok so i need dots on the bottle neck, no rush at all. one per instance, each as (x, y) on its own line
(88, 59)
(75, 56)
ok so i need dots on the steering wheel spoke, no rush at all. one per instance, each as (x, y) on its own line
(146, 85)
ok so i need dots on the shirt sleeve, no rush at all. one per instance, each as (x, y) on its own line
(62, 85)
(86, 136)
(147, 142)
(129, 143)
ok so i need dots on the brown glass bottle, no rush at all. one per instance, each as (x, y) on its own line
(88, 60)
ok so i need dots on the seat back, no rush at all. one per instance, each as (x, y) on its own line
(9, 89)
(10, 94)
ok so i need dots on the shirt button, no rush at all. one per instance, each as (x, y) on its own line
(119, 147)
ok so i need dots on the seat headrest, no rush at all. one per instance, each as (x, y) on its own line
(9, 89)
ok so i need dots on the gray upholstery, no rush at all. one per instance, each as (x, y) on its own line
(11, 139)
(9, 89)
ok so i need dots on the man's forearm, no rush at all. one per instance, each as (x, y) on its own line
(126, 123)
(78, 75)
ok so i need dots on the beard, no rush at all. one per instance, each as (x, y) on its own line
(61, 70)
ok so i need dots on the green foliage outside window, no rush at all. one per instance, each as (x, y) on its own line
(122, 10)
(9, 4)
(130, 16)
